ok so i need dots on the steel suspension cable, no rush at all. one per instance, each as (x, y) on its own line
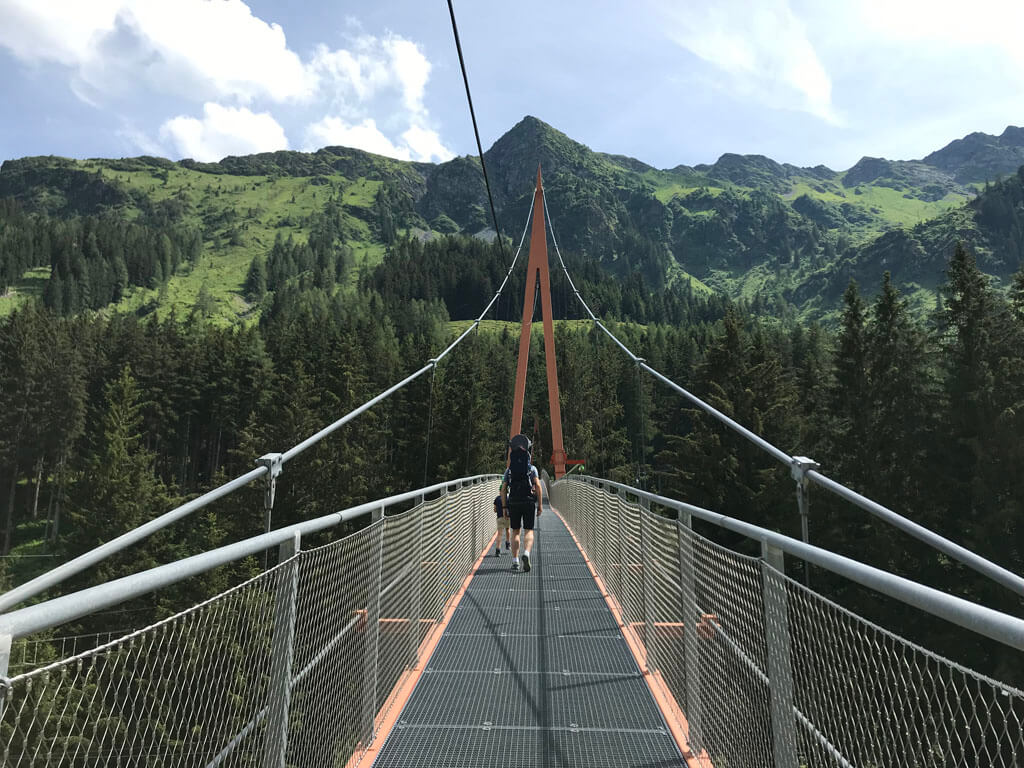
(971, 559)
(476, 131)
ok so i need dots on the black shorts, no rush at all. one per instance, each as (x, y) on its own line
(521, 514)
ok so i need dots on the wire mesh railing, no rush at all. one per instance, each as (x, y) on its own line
(293, 667)
(770, 673)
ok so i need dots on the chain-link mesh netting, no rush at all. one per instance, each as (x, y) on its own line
(742, 648)
(293, 666)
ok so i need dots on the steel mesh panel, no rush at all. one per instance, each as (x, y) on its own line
(173, 694)
(334, 645)
(846, 692)
(873, 698)
(301, 658)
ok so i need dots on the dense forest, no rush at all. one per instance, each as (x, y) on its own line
(107, 419)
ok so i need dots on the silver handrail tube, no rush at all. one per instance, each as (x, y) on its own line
(51, 613)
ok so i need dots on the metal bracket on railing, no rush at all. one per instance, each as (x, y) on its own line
(274, 462)
(799, 468)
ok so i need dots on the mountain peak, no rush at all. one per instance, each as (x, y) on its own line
(980, 156)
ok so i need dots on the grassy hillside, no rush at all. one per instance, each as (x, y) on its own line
(240, 216)
(746, 226)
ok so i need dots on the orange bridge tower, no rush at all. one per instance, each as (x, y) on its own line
(537, 269)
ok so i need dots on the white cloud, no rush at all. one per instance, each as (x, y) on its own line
(417, 143)
(762, 48)
(375, 67)
(379, 75)
(194, 48)
(64, 31)
(412, 70)
(121, 54)
(991, 25)
(334, 131)
(426, 145)
(224, 131)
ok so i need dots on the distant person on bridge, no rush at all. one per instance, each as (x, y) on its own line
(521, 496)
(503, 524)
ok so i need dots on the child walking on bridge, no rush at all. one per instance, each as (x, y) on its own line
(503, 525)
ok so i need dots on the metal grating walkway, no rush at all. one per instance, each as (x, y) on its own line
(532, 671)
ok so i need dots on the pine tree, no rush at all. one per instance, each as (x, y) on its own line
(117, 490)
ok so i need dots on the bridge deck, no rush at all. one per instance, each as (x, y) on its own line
(532, 670)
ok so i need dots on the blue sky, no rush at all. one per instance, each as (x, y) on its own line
(666, 81)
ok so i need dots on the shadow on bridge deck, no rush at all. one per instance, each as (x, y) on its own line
(532, 670)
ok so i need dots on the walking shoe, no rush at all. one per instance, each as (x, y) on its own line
(497, 551)
(526, 562)
(515, 565)
(508, 545)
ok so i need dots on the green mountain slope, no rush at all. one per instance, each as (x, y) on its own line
(745, 226)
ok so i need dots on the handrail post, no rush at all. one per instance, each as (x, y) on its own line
(620, 529)
(691, 638)
(645, 584)
(6, 641)
(371, 641)
(780, 670)
(281, 655)
(274, 462)
(799, 468)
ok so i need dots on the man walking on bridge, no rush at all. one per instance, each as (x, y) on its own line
(521, 497)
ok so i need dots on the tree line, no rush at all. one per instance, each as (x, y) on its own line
(93, 259)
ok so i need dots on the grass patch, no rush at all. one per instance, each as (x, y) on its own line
(27, 288)
(240, 217)
(887, 203)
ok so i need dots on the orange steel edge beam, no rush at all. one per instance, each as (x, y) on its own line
(670, 709)
(387, 717)
(537, 267)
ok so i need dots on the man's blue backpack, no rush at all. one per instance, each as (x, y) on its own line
(520, 487)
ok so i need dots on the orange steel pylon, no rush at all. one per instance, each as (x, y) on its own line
(537, 268)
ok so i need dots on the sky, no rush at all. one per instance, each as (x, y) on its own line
(669, 82)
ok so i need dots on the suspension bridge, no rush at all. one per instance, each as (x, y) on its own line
(634, 641)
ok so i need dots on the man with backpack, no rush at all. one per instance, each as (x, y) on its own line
(521, 497)
(503, 525)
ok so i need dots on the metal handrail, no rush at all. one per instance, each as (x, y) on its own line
(996, 625)
(59, 610)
